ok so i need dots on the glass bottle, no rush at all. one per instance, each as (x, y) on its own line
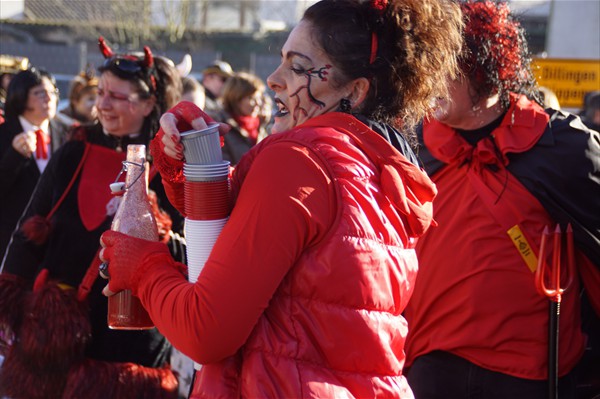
(134, 217)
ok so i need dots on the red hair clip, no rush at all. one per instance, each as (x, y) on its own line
(379, 5)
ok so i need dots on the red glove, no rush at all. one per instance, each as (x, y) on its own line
(129, 258)
(185, 113)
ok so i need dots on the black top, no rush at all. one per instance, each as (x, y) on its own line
(18, 176)
(392, 136)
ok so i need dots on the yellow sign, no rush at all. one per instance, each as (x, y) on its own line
(568, 79)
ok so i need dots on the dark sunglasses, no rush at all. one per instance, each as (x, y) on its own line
(124, 65)
(132, 67)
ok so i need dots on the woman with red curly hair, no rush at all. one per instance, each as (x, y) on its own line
(505, 169)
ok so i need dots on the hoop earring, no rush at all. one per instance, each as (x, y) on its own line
(345, 105)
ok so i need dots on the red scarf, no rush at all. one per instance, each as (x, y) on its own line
(99, 170)
(250, 124)
(521, 128)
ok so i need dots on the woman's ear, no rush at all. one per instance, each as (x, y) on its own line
(149, 105)
(360, 88)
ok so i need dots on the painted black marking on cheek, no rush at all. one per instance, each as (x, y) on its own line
(320, 73)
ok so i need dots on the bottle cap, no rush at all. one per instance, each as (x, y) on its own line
(117, 187)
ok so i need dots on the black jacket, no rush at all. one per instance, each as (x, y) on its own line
(18, 176)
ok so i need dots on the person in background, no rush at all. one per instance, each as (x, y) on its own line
(28, 138)
(82, 100)
(242, 100)
(193, 91)
(303, 292)
(591, 110)
(266, 111)
(214, 77)
(505, 170)
(134, 89)
(9, 66)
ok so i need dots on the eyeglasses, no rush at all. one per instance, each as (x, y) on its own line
(42, 93)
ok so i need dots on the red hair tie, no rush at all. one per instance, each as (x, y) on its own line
(373, 48)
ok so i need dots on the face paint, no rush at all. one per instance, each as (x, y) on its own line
(320, 73)
(303, 82)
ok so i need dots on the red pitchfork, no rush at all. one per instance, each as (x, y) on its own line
(553, 291)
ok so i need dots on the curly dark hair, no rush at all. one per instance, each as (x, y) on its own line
(418, 42)
(496, 57)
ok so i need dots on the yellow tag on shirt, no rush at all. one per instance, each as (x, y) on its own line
(523, 247)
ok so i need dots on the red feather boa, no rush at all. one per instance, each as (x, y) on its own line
(44, 333)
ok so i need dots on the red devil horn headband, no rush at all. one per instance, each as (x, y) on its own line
(104, 49)
(148, 57)
(108, 53)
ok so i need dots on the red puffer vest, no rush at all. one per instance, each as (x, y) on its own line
(334, 328)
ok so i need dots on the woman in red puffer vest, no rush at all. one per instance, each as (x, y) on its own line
(303, 291)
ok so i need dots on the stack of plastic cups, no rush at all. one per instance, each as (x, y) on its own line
(207, 200)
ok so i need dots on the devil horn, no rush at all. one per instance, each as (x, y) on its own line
(104, 49)
(185, 66)
(148, 58)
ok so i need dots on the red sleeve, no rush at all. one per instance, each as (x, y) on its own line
(285, 204)
(174, 191)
